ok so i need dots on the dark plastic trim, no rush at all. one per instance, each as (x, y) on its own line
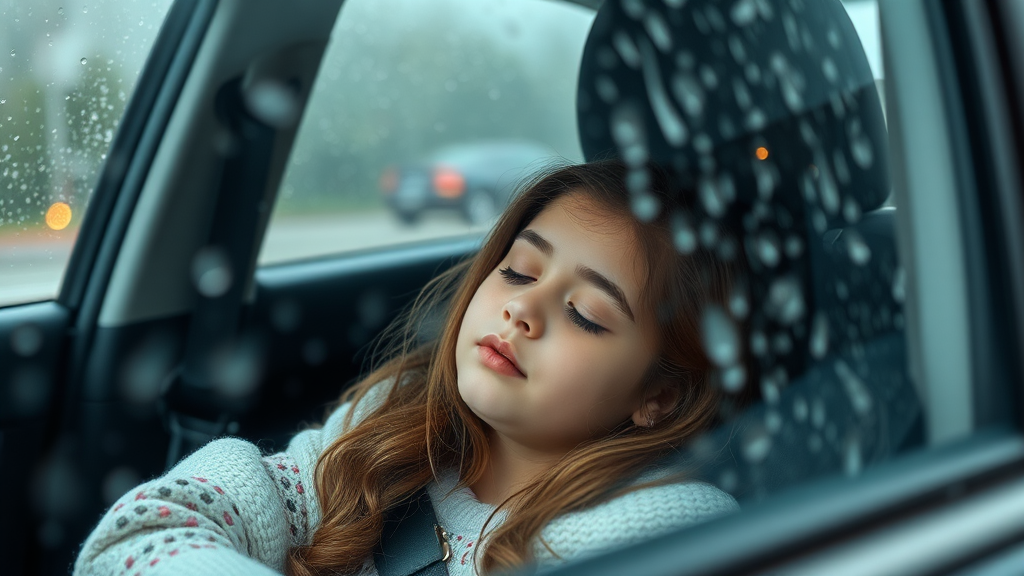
(988, 205)
(817, 515)
(145, 122)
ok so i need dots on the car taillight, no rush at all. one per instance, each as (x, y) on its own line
(388, 181)
(449, 183)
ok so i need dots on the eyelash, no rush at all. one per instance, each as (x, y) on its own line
(516, 279)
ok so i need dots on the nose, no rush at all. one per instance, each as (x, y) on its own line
(525, 315)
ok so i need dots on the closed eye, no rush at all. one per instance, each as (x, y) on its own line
(513, 277)
(579, 320)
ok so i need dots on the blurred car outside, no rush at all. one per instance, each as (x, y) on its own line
(475, 179)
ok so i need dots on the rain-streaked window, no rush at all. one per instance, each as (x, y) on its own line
(67, 70)
(769, 117)
(424, 117)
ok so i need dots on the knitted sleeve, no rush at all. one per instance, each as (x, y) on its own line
(629, 519)
(224, 510)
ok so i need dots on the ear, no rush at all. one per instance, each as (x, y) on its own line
(660, 401)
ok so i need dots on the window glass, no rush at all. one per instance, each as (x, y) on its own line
(67, 70)
(424, 117)
(770, 116)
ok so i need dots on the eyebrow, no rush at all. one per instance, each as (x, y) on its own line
(585, 272)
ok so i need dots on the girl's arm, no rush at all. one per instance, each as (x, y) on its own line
(224, 510)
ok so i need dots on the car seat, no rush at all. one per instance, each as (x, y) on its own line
(766, 116)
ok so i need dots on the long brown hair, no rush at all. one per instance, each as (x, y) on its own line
(424, 426)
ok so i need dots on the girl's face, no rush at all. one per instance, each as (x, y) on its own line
(553, 346)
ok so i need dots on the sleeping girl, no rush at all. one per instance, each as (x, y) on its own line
(569, 364)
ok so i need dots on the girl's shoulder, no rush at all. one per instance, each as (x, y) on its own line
(633, 517)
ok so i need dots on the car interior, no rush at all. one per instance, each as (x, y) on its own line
(166, 333)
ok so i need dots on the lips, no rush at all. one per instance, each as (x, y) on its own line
(500, 355)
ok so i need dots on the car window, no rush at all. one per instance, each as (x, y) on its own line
(424, 117)
(66, 74)
(770, 114)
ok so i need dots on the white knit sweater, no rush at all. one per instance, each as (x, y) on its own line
(228, 510)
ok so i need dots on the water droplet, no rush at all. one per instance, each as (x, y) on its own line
(739, 306)
(830, 70)
(658, 31)
(818, 414)
(634, 8)
(757, 444)
(766, 246)
(683, 234)
(314, 352)
(899, 285)
(285, 315)
(856, 389)
(758, 343)
(851, 210)
(857, 248)
(84, 61)
(627, 49)
(60, 11)
(860, 145)
(146, 368)
(819, 335)
(645, 206)
(211, 272)
(743, 12)
(853, 459)
(235, 369)
(800, 409)
(29, 390)
(273, 103)
(16, 138)
(14, 53)
(85, 9)
(669, 121)
(728, 480)
(711, 196)
(733, 379)
(767, 176)
(773, 421)
(3, 101)
(786, 300)
(606, 89)
(119, 482)
(739, 53)
(721, 339)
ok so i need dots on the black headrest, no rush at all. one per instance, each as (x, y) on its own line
(699, 86)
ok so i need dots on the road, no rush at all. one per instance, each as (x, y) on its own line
(31, 266)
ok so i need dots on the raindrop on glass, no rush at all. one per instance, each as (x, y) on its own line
(757, 444)
(819, 335)
(853, 459)
(645, 206)
(14, 53)
(733, 379)
(721, 340)
(236, 369)
(658, 31)
(899, 285)
(739, 306)
(683, 234)
(766, 246)
(857, 248)
(688, 93)
(800, 409)
(60, 11)
(786, 300)
(743, 12)
(84, 61)
(818, 415)
(860, 148)
(211, 272)
(273, 102)
(856, 389)
(627, 49)
(669, 121)
(285, 315)
(773, 421)
(27, 340)
(118, 482)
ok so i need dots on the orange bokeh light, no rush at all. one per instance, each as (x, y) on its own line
(58, 216)
(762, 153)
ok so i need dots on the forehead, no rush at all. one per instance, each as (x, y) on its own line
(594, 236)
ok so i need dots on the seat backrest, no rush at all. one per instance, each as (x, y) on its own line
(766, 115)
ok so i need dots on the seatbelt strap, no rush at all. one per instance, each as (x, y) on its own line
(412, 542)
(196, 408)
